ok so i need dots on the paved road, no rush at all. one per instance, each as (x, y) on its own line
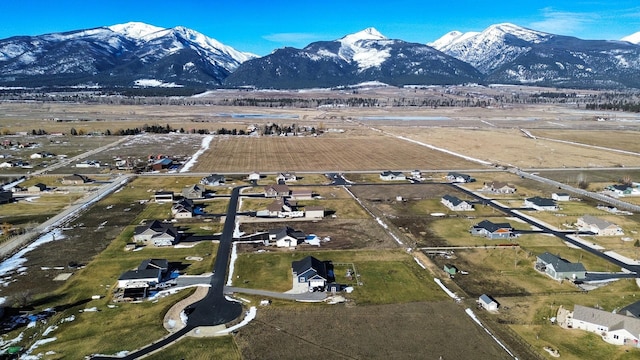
(560, 234)
(214, 309)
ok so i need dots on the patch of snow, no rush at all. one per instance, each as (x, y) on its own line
(633, 38)
(232, 262)
(249, 315)
(446, 290)
(475, 318)
(203, 147)
(154, 83)
(14, 263)
(135, 30)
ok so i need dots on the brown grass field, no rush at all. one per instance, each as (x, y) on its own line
(330, 153)
(512, 147)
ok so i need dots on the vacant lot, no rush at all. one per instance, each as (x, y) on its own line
(341, 152)
(623, 140)
(408, 331)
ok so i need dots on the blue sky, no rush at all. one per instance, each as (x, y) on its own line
(262, 26)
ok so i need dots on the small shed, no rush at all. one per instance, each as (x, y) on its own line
(450, 269)
(488, 303)
(37, 188)
(560, 197)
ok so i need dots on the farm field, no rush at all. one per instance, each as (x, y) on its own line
(324, 153)
(510, 147)
(621, 140)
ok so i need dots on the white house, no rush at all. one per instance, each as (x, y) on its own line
(459, 178)
(286, 177)
(599, 226)
(156, 233)
(488, 303)
(615, 329)
(286, 237)
(392, 175)
(254, 176)
(541, 204)
(313, 212)
(456, 204)
(560, 197)
(498, 187)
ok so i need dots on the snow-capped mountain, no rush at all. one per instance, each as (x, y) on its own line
(633, 38)
(117, 55)
(508, 53)
(495, 46)
(363, 56)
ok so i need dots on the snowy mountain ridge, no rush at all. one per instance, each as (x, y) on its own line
(633, 38)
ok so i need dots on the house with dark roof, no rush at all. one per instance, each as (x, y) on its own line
(622, 190)
(157, 233)
(455, 204)
(311, 273)
(456, 177)
(541, 204)
(183, 209)
(559, 268)
(598, 226)
(212, 180)
(163, 196)
(392, 175)
(492, 230)
(631, 310)
(616, 329)
(286, 237)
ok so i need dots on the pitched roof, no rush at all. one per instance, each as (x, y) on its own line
(631, 310)
(162, 264)
(560, 264)
(158, 227)
(492, 227)
(452, 199)
(304, 265)
(605, 318)
(536, 200)
(140, 274)
(499, 185)
(486, 299)
(278, 188)
(599, 223)
(389, 173)
(456, 175)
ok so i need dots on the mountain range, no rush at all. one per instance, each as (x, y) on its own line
(140, 55)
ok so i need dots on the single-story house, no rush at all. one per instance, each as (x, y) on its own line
(623, 189)
(254, 176)
(541, 204)
(286, 237)
(498, 187)
(599, 226)
(314, 212)
(75, 179)
(157, 233)
(163, 196)
(392, 175)
(37, 188)
(278, 190)
(212, 180)
(195, 191)
(492, 230)
(148, 273)
(450, 269)
(88, 164)
(455, 204)
(459, 178)
(560, 197)
(286, 177)
(488, 303)
(616, 329)
(301, 194)
(183, 209)
(310, 273)
(559, 268)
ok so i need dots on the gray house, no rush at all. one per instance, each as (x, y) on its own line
(309, 273)
(212, 180)
(492, 230)
(193, 192)
(559, 268)
(455, 204)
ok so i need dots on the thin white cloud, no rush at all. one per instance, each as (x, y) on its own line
(563, 22)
